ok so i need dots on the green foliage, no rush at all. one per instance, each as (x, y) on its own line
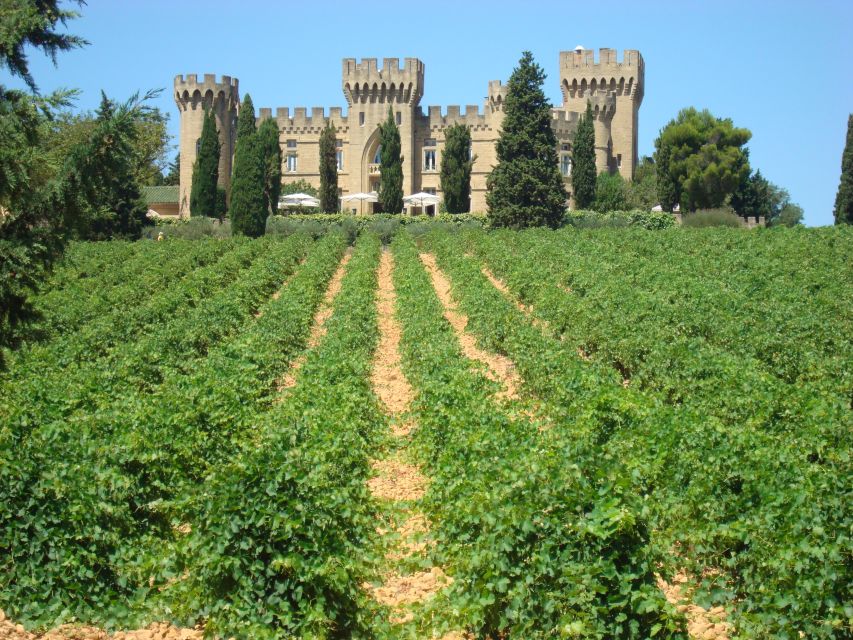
(206, 169)
(271, 149)
(642, 218)
(790, 215)
(642, 191)
(246, 118)
(249, 204)
(194, 228)
(722, 217)
(700, 160)
(172, 177)
(299, 186)
(526, 189)
(328, 170)
(757, 197)
(843, 210)
(611, 193)
(583, 161)
(390, 166)
(456, 165)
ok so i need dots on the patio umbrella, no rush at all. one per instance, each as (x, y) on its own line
(298, 200)
(421, 199)
(361, 197)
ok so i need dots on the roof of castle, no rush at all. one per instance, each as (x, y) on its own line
(161, 194)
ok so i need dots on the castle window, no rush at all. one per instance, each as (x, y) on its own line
(291, 144)
(399, 118)
(291, 162)
(566, 164)
(339, 144)
(197, 145)
(429, 190)
(339, 155)
(429, 160)
(377, 157)
(361, 118)
(564, 147)
(619, 160)
(429, 142)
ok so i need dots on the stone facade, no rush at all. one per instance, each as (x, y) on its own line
(614, 88)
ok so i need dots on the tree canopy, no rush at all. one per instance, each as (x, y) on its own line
(844, 197)
(271, 150)
(390, 166)
(456, 165)
(526, 189)
(700, 160)
(611, 193)
(328, 170)
(584, 180)
(206, 169)
(248, 210)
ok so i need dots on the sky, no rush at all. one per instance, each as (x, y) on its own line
(780, 68)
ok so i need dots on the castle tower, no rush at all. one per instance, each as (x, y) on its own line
(193, 99)
(369, 91)
(615, 90)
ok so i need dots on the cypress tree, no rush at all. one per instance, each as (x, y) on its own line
(268, 135)
(248, 204)
(206, 169)
(456, 169)
(246, 118)
(526, 189)
(583, 161)
(328, 170)
(390, 166)
(844, 197)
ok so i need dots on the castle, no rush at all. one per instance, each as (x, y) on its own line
(615, 90)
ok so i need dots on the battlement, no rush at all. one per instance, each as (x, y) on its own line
(300, 120)
(564, 123)
(365, 81)
(497, 95)
(584, 59)
(472, 116)
(190, 92)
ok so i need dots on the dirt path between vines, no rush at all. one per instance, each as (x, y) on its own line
(702, 624)
(318, 327)
(396, 480)
(155, 631)
(499, 368)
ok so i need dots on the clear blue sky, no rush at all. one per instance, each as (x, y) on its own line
(782, 69)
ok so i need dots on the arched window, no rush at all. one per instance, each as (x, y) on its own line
(377, 157)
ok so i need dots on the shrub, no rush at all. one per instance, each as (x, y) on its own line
(653, 220)
(721, 217)
(195, 228)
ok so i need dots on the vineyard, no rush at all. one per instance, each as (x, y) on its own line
(452, 433)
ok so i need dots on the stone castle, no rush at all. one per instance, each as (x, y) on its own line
(615, 90)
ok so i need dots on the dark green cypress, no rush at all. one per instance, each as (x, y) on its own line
(844, 197)
(328, 170)
(206, 170)
(526, 189)
(456, 169)
(583, 161)
(248, 209)
(390, 166)
(268, 135)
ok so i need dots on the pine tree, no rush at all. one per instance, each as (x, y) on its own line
(583, 161)
(844, 197)
(248, 209)
(268, 135)
(328, 170)
(390, 166)
(206, 170)
(456, 168)
(526, 189)
(246, 118)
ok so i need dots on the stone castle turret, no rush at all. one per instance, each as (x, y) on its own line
(193, 99)
(615, 90)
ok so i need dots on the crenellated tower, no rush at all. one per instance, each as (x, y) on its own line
(193, 99)
(369, 91)
(615, 90)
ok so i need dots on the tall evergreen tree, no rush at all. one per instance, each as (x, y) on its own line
(583, 161)
(456, 165)
(328, 170)
(246, 118)
(271, 148)
(844, 197)
(206, 169)
(390, 166)
(526, 189)
(248, 209)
